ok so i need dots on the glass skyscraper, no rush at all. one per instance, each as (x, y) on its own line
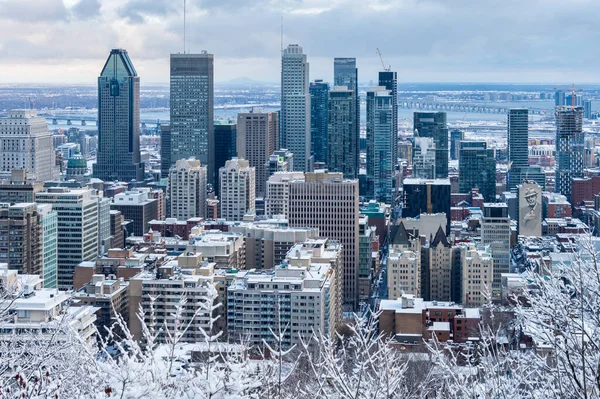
(118, 120)
(477, 169)
(570, 142)
(380, 144)
(192, 104)
(433, 124)
(225, 146)
(343, 146)
(456, 136)
(518, 140)
(319, 92)
(345, 73)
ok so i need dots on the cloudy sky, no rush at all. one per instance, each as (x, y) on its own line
(529, 41)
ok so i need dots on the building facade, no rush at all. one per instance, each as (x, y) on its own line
(433, 124)
(225, 147)
(343, 140)
(187, 189)
(570, 141)
(319, 119)
(495, 232)
(381, 141)
(518, 141)
(237, 185)
(136, 207)
(477, 169)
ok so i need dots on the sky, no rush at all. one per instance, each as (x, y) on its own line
(516, 41)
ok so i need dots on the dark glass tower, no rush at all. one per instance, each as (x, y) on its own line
(433, 124)
(518, 140)
(477, 169)
(456, 136)
(118, 120)
(225, 146)
(570, 141)
(345, 73)
(319, 93)
(389, 80)
(427, 196)
(342, 148)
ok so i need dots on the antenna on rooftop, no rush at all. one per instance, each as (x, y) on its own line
(184, 1)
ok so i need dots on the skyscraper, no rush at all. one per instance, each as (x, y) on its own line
(518, 139)
(28, 147)
(433, 124)
(343, 146)
(423, 162)
(257, 138)
(495, 232)
(118, 121)
(225, 147)
(380, 144)
(477, 169)
(389, 80)
(319, 96)
(427, 196)
(345, 73)
(295, 107)
(569, 147)
(187, 189)
(165, 150)
(456, 136)
(192, 103)
(559, 98)
(238, 193)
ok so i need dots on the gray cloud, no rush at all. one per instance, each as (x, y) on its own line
(86, 9)
(136, 10)
(33, 11)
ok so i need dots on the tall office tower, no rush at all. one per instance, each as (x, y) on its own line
(238, 193)
(380, 144)
(277, 200)
(49, 222)
(225, 147)
(495, 232)
(456, 136)
(21, 238)
(343, 141)
(294, 132)
(257, 136)
(427, 196)
(559, 98)
(433, 124)
(118, 121)
(187, 189)
(518, 141)
(137, 207)
(329, 202)
(587, 109)
(477, 169)
(345, 73)
(192, 103)
(319, 96)
(77, 229)
(576, 101)
(27, 144)
(165, 150)
(423, 162)
(569, 147)
(389, 80)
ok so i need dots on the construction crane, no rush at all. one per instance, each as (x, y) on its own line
(389, 68)
(572, 89)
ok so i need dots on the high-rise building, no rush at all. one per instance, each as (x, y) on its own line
(477, 169)
(119, 121)
(77, 229)
(456, 136)
(389, 80)
(21, 238)
(192, 104)
(380, 144)
(559, 98)
(433, 124)
(345, 73)
(187, 189)
(518, 141)
(238, 194)
(49, 221)
(225, 147)
(439, 267)
(427, 196)
(165, 150)
(587, 109)
(116, 229)
(257, 137)
(477, 274)
(137, 207)
(589, 155)
(329, 202)
(294, 132)
(319, 97)
(104, 239)
(277, 200)
(570, 141)
(366, 236)
(27, 145)
(576, 101)
(424, 158)
(343, 137)
(19, 188)
(495, 232)
(404, 273)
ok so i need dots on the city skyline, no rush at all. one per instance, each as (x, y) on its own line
(432, 41)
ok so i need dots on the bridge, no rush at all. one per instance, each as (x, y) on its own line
(76, 120)
(462, 107)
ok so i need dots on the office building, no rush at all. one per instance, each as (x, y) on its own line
(49, 222)
(238, 195)
(389, 80)
(294, 132)
(343, 136)
(137, 207)
(21, 238)
(77, 229)
(225, 148)
(345, 74)
(257, 139)
(366, 250)
(118, 155)
(427, 196)
(319, 119)
(477, 169)
(456, 136)
(381, 141)
(424, 158)
(574, 100)
(587, 109)
(165, 150)
(559, 98)
(329, 202)
(227, 250)
(433, 124)
(27, 144)
(307, 282)
(495, 232)
(279, 161)
(186, 189)
(518, 141)
(19, 188)
(116, 229)
(477, 274)
(192, 107)
(569, 147)
(277, 200)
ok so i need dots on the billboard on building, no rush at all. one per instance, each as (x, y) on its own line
(530, 209)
